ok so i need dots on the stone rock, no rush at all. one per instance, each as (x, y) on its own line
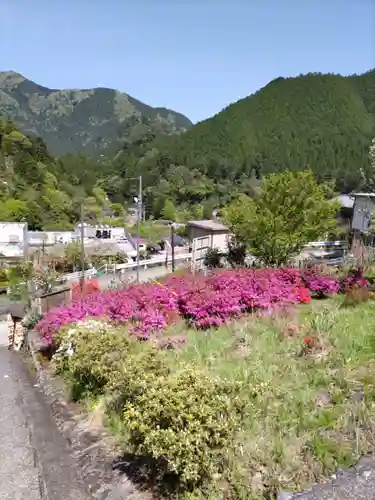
(367, 474)
(257, 482)
(284, 495)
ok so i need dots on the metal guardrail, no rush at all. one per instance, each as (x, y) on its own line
(326, 244)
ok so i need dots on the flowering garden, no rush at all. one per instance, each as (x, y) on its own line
(203, 302)
(258, 394)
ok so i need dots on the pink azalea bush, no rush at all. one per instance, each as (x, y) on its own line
(355, 278)
(320, 284)
(203, 301)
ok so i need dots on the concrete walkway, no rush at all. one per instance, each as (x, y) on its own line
(35, 460)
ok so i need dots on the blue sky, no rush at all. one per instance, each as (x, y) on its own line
(194, 56)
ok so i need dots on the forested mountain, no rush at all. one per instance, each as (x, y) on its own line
(321, 122)
(324, 122)
(81, 121)
(41, 190)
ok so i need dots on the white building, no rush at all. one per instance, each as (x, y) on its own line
(89, 231)
(64, 237)
(39, 239)
(13, 239)
(118, 233)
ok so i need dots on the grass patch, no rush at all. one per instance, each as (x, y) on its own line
(310, 412)
(302, 380)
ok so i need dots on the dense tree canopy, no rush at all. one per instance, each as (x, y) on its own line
(36, 188)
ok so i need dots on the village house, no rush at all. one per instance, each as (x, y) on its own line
(363, 238)
(204, 235)
(13, 239)
(215, 233)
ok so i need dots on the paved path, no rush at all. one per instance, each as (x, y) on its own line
(35, 460)
(19, 474)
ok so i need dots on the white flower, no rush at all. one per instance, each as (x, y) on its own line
(69, 351)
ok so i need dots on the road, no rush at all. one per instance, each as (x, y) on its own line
(145, 275)
(35, 461)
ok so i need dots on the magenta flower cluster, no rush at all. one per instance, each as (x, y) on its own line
(319, 284)
(355, 278)
(203, 301)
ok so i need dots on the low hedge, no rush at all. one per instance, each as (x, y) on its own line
(183, 423)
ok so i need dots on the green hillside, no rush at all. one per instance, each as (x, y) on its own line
(324, 122)
(79, 121)
(40, 190)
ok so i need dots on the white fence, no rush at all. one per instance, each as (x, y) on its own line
(90, 273)
(114, 268)
(150, 262)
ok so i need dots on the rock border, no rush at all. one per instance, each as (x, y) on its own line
(92, 448)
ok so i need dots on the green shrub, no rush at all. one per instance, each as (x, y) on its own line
(3, 275)
(212, 259)
(99, 358)
(89, 353)
(186, 422)
(135, 374)
(183, 424)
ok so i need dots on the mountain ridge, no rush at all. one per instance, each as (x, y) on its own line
(79, 120)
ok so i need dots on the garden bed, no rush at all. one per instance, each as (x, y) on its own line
(259, 404)
(203, 302)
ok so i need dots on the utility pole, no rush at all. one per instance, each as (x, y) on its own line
(139, 217)
(139, 201)
(82, 249)
(43, 245)
(25, 242)
(172, 243)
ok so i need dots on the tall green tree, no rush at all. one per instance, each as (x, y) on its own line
(72, 254)
(291, 210)
(169, 211)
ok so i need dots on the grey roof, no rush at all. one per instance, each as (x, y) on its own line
(178, 240)
(209, 225)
